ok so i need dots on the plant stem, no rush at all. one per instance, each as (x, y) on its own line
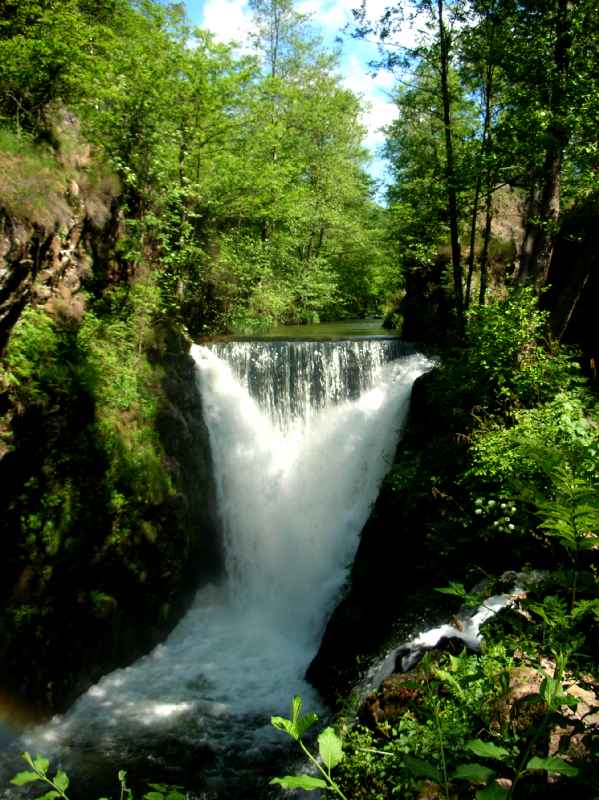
(51, 783)
(327, 777)
(442, 748)
(521, 769)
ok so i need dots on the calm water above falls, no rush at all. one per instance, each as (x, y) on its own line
(297, 466)
(337, 331)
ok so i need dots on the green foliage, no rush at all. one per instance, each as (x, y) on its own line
(508, 476)
(162, 791)
(32, 361)
(539, 440)
(456, 589)
(330, 750)
(572, 516)
(452, 699)
(553, 699)
(507, 356)
(299, 723)
(60, 782)
(96, 484)
(438, 733)
(244, 188)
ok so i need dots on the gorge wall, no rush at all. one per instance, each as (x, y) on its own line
(412, 543)
(108, 518)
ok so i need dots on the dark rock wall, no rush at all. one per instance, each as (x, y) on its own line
(573, 284)
(186, 441)
(413, 542)
(54, 640)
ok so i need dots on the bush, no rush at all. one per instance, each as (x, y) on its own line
(508, 357)
(563, 430)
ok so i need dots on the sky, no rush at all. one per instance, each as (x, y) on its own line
(230, 20)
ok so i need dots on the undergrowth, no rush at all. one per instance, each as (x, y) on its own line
(515, 483)
(95, 484)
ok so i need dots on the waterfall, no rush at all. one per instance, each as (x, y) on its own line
(301, 434)
(300, 378)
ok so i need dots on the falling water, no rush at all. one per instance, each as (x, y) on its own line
(301, 437)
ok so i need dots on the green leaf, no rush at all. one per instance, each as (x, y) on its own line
(61, 780)
(477, 773)
(304, 722)
(422, 768)
(330, 748)
(298, 724)
(41, 764)
(549, 689)
(296, 707)
(567, 700)
(552, 764)
(282, 724)
(51, 795)
(22, 778)
(492, 792)
(154, 796)
(487, 749)
(454, 588)
(300, 782)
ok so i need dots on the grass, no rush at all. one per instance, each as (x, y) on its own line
(32, 183)
(38, 184)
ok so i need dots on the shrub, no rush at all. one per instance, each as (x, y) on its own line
(507, 357)
(562, 430)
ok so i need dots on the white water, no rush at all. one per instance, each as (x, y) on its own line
(294, 494)
(465, 626)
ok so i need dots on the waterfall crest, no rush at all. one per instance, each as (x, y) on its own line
(299, 378)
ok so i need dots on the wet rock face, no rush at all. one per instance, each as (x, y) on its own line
(54, 225)
(185, 439)
(395, 568)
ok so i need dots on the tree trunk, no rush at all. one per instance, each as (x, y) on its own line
(444, 46)
(472, 239)
(484, 256)
(541, 227)
(484, 149)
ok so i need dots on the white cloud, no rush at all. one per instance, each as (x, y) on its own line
(373, 89)
(331, 16)
(229, 20)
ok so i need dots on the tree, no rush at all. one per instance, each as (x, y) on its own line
(437, 49)
(550, 62)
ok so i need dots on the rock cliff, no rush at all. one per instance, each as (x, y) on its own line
(108, 517)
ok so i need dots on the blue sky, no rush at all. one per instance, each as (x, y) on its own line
(230, 20)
